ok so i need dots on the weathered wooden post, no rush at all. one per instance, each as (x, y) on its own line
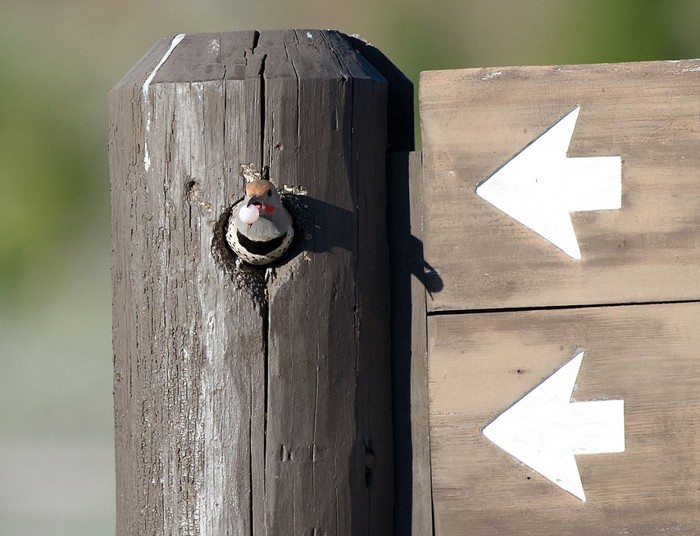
(251, 400)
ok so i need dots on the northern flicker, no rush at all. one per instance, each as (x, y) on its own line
(260, 229)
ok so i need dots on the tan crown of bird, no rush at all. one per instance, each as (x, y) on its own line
(260, 229)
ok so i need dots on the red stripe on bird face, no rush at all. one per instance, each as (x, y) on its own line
(267, 209)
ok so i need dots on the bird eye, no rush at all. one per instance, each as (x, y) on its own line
(269, 192)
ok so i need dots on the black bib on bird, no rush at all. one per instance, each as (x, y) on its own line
(260, 248)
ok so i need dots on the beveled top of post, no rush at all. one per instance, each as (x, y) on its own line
(276, 54)
(248, 54)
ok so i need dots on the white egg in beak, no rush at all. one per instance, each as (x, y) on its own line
(249, 214)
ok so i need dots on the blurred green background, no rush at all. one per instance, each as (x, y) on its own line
(58, 60)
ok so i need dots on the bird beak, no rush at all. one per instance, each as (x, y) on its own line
(260, 205)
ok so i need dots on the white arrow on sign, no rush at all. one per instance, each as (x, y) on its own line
(540, 186)
(544, 429)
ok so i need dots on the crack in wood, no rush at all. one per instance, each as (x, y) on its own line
(553, 307)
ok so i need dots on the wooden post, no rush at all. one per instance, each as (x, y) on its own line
(251, 400)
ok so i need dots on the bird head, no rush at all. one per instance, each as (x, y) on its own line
(261, 200)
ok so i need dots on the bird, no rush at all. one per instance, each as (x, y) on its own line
(260, 229)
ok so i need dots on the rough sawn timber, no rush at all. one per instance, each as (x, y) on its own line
(251, 401)
(476, 120)
(646, 355)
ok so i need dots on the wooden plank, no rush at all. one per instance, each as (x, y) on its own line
(251, 401)
(184, 371)
(367, 151)
(413, 505)
(646, 355)
(321, 123)
(475, 120)
(310, 431)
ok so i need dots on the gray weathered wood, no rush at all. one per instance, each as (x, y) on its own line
(475, 120)
(646, 355)
(413, 509)
(512, 308)
(251, 401)
(412, 504)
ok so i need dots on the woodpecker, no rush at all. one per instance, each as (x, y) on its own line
(260, 228)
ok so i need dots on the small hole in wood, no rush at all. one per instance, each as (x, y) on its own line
(299, 211)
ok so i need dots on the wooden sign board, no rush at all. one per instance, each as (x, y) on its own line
(646, 355)
(475, 121)
(561, 210)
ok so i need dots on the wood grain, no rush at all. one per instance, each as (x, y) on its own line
(475, 120)
(251, 401)
(413, 506)
(647, 355)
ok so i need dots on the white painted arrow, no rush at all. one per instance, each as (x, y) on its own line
(544, 429)
(540, 186)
